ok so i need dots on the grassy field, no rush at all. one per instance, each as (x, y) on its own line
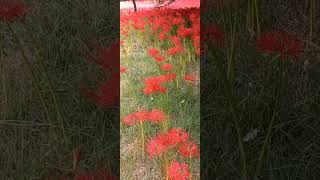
(39, 134)
(181, 102)
(260, 110)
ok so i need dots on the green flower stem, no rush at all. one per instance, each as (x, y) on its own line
(142, 139)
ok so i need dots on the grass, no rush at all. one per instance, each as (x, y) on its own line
(53, 35)
(292, 151)
(182, 105)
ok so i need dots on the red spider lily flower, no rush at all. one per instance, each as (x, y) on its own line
(176, 136)
(153, 52)
(213, 33)
(166, 67)
(156, 146)
(175, 40)
(190, 77)
(121, 43)
(178, 21)
(189, 149)
(154, 84)
(154, 116)
(107, 95)
(162, 36)
(164, 141)
(184, 32)
(131, 119)
(108, 91)
(175, 50)
(107, 58)
(160, 79)
(138, 25)
(154, 88)
(178, 171)
(11, 10)
(279, 42)
(159, 58)
(123, 69)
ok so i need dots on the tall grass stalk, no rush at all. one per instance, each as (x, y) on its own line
(235, 115)
(55, 98)
(230, 21)
(312, 16)
(5, 84)
(253, 16)
(29, 70)
(273, 118)
(142, 139)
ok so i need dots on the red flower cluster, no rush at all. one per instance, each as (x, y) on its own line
(178, 171)
(174, 138)
(190, 77)
(153, 52)
(166, 67)
(180, 29)
(155, 84)
(108, 92)
(175, 50)
(123, 69)
(11, 10)
(279, 42)
(213, 33)
(161, 24)
(154, 115)
(165, 141)
(189, 149)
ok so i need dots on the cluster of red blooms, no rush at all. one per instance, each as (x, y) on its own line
(153, 52)
(10, 10)
(154, 115)
(174, 138)
(178, 28)
(213, 33)
(162, 22)
(155, 84)
(271, 42)
(279, 42)
(178, 171)
(108, 92)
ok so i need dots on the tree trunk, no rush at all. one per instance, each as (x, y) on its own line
(134, 5)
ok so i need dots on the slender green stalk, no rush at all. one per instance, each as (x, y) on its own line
(29, 70)
(142, 139)
(269, 132)
(227, 82)
(253, 17)
(5, 84)
(257, 16)
(235, 115)
(51, 89)
(312, 12)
